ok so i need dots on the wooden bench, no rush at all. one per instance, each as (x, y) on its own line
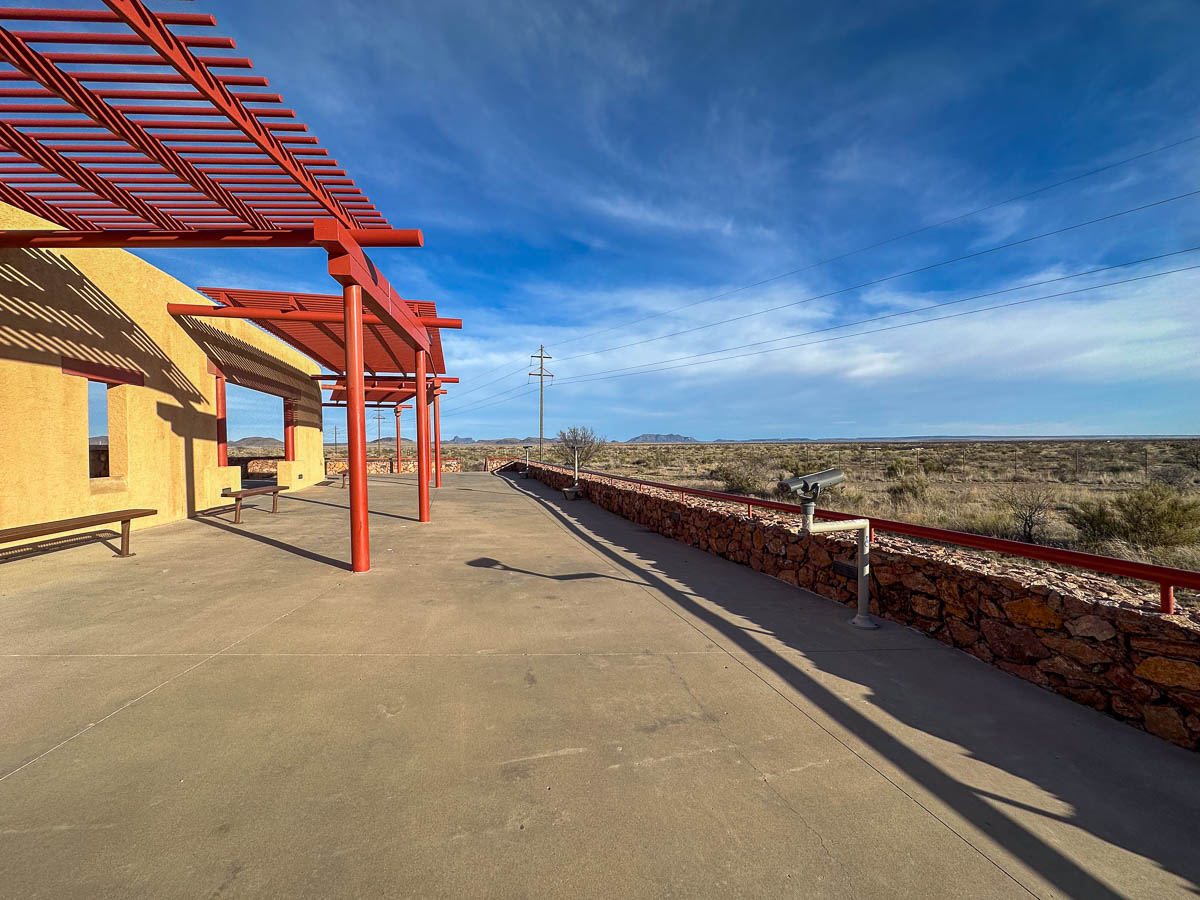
(42, 529)
(239, 496)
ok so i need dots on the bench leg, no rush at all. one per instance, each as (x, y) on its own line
(237, 511)
(275, 502)
(125, 523)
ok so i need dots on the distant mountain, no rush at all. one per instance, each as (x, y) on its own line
(458, 440)
(98, 440)
(257, 444)
(661, 439)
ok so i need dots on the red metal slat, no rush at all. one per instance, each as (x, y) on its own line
(142, 78)
(51, 159)
(138, 110)
(141, 59)
(29, 14)
(124, 94)
(40, 208)
(156, 123)
(49, 75)
(109, 38)
(244, 146)
(228, 237)
(160, 38)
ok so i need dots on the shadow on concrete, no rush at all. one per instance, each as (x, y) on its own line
(1113, 791)
(346, 507)
(271, 542)
(486, 562)
(52, 545)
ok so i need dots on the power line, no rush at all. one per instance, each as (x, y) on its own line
(891, 240)
(876, 318)
(601, 376)
(908, 312)
(911, 233)
(876, 281)
(584, 380)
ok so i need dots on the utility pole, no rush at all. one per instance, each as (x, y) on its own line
(541, 375)
(335, 441)
(379, 429)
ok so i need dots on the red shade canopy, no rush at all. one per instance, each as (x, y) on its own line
(166, 137)
(384, 350)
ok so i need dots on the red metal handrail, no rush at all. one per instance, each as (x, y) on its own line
(1166, 577)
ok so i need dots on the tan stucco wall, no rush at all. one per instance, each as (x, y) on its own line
(109, 307)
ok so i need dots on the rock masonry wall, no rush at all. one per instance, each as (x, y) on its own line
(389, 466)
(1084, 636)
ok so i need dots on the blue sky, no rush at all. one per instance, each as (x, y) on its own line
(579, 166)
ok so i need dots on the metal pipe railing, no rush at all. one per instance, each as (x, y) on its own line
(1166, 577)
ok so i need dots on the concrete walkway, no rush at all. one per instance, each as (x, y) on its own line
(527, 698)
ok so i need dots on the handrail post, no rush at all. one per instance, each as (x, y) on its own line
(1167, 599)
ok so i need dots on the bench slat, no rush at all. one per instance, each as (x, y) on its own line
(41, 529)
(252, 492)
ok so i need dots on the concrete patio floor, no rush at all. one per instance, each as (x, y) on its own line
(528, 697)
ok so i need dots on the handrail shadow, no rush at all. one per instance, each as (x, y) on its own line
(1100, 809)
(486, 562)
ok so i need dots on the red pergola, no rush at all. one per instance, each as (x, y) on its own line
(166, 148)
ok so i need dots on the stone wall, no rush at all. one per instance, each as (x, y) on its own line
(389, 466)
(494, 463)
(1087, 637)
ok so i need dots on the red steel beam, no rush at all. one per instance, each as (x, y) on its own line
(222, 423)
(385, 381)
(49, 158)
(356, 430)
(349, 265)
(437, 440)
(36, 66)
(228, 237)
(169, 46)
(289, 430)
(288, 315)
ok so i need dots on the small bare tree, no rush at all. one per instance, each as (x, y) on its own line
(1029, 505)
(577, 445)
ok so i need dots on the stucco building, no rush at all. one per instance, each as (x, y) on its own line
(70, 317)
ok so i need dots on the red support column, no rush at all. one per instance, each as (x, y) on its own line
(222, 424)
(437, 442)
(356, 430)
(421, 402)
(399, 446)
(289, 430)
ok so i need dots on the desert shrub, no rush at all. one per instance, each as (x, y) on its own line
(911, 489)
(899, 469)
(1160, 516)
(1175, 476)
(739, 478)
(1094, 520)
(1153, 516)
(933, 465)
